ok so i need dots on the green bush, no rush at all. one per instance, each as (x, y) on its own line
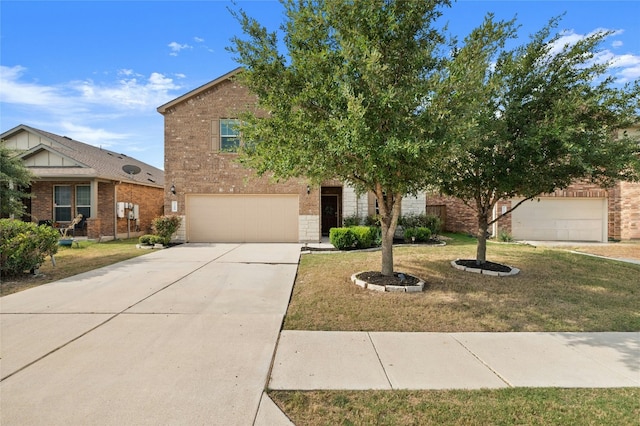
(342, 238)
(363, 235)
(164, 227)
(372, 220)
(351, 221)
(360, 237)
(145, 239)
(421, 221)
(24, 245)
(420, 234)
(505, 236)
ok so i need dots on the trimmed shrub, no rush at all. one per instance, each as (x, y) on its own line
(363, 236)
(164, 227)
(342, 238)
(421, 234)
(24, 245)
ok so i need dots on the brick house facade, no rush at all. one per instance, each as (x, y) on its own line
(207, 180)
(92, 180)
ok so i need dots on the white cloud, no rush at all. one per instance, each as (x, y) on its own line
(15, 91)
(198, 39)
(177, 47)
(616, 44)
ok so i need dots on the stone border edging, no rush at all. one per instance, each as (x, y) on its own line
(388, 288)
(513, 271)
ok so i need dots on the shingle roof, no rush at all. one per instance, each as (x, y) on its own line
(94, 162)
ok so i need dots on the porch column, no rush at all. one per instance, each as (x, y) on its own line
(94, 199)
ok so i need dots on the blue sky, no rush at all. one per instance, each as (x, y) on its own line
(97, 70)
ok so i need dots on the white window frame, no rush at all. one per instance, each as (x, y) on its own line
(227, 124)
(83, 206)
(56, 205)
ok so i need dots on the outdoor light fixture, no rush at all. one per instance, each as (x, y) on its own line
(308, 189)
(173, 189)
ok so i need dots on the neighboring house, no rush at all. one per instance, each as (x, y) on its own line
(74, 178)
(581, 212)
(220, 200)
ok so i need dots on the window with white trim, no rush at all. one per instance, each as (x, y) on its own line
(62, 203)
(83, 200)
(229, 135)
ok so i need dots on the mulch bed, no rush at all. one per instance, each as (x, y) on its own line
(375, 277)
(487, 266)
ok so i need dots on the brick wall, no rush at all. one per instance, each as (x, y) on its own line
(150, 201)
(629, 202)
(101, 224)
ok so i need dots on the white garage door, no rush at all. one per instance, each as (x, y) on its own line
(561, 219)
(242, 218)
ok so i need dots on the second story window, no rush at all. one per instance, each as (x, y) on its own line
(229, 135)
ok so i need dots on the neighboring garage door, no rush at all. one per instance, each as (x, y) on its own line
(242, 218)
(561, 219)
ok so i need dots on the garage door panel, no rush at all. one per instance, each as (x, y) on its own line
(561, 219)
(242, 218)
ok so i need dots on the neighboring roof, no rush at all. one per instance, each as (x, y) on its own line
(163, 108)
(92, 161)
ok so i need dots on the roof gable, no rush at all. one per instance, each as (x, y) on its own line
(50, 155)
(195, 92)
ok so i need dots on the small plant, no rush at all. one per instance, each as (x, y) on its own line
(352, 221)
(145, 239)
(372, 220)
(24, 245)
(505, 236)
(164, 227)
(417, 235)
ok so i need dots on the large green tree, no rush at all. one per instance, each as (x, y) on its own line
(532, 119)
(346, 98)
(14, 179)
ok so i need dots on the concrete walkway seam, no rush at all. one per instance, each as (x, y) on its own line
(117, 314)
(380, 361)
(498, 375)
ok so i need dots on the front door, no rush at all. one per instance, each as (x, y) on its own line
(330, 212)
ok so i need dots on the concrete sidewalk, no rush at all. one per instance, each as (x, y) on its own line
(179, 336)
(310, 360)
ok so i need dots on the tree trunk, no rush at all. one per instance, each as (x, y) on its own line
(483, 226)
(389, 207)
(387, 248)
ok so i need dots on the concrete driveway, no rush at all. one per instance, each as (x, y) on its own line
(178, 336)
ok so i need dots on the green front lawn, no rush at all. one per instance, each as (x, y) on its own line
(555, 291)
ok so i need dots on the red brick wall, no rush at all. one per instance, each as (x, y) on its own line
(194, 167)
(150, 200)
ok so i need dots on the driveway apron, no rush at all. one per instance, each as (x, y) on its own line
(179, 336)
